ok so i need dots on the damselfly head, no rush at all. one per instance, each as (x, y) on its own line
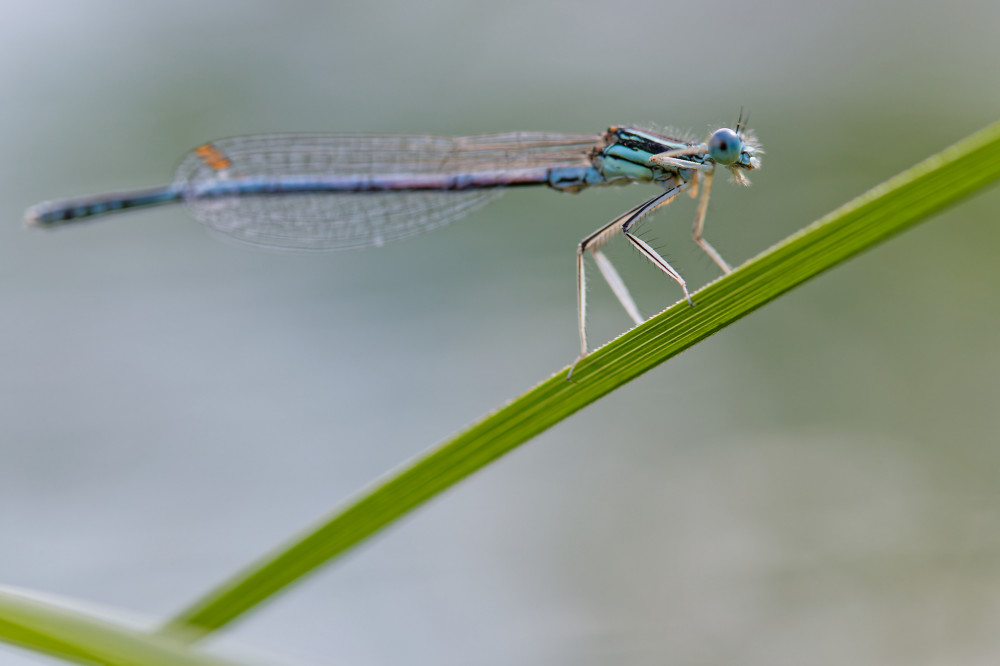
(725, 146)
(736, 150)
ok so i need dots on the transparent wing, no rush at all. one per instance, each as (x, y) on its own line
(345, 220)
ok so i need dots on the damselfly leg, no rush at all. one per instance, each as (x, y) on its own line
(622, 224)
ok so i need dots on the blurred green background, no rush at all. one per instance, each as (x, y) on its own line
(819, 483)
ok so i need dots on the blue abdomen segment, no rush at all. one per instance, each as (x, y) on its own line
(54, 213)
(574, 178)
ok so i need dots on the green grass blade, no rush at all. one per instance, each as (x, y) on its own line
(79, 638)
(858, 225)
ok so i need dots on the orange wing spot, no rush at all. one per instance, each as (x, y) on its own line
(212, 157)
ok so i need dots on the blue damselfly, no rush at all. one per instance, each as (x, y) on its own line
(343, 191)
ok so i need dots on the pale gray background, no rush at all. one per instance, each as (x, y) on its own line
(816, 484)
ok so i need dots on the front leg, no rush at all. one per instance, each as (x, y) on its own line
(699, 225)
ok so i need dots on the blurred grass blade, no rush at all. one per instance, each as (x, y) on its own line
(76, 637)
(858, 225)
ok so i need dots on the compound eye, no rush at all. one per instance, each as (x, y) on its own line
(725, 146)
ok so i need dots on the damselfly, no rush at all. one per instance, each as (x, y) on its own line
(342, 191)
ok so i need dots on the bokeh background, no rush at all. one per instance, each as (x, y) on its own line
(819, 483)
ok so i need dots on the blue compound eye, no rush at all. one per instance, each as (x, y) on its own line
(725, 146)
